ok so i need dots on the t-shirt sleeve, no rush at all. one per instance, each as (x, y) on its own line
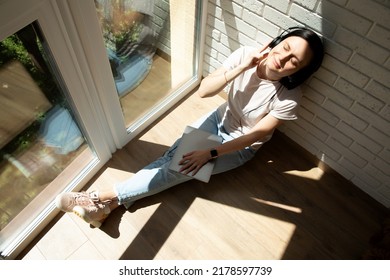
(287, 105)
(234, 60)
(237, 57)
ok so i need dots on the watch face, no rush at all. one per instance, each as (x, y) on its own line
(214, 153)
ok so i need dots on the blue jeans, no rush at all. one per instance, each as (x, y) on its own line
(156, 176)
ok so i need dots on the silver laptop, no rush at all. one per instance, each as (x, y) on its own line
(196, 139)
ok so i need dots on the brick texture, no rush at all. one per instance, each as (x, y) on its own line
(345, 113)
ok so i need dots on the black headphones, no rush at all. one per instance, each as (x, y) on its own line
(282, 36)
(315, 43)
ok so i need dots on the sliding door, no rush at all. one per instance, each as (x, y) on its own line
(145, 55)
(49, 137)
(78, 80)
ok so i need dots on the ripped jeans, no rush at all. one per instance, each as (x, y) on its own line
(156, 176)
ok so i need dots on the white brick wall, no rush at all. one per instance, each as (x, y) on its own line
(161, 24)
(345, 113)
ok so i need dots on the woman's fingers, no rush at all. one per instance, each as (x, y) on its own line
(193, 162)
(189, 167)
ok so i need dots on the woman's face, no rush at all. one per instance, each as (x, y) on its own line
(288, 57)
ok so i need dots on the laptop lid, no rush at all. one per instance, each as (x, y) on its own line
(195, 139)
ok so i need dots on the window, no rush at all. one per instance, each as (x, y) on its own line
(79, 79)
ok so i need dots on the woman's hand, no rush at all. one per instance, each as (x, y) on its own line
(193, 161)
(254, 58)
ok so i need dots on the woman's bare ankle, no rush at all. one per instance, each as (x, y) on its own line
(108, 196)
(113, 205)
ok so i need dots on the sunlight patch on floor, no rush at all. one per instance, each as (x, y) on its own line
(279, 205)
(109, 178)
(314, 174)
(205, 226)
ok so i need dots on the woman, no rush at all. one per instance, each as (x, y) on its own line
(263, 92)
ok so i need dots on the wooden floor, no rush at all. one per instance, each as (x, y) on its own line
(139, 101)
(280, 205)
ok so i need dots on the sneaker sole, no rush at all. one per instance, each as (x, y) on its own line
(79, 211)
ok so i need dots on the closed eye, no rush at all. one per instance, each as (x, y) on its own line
(295, 61)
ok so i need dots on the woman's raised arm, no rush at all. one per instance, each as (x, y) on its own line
(217, 80)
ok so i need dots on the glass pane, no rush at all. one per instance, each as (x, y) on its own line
(151, 48)
(39, 134)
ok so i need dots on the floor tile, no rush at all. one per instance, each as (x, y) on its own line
(62, 240)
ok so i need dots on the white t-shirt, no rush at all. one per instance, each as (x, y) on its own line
(251, 98)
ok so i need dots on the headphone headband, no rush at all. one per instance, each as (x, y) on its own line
(280, 38)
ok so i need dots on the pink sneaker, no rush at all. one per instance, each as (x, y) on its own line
(93, 214)
(67, 201)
